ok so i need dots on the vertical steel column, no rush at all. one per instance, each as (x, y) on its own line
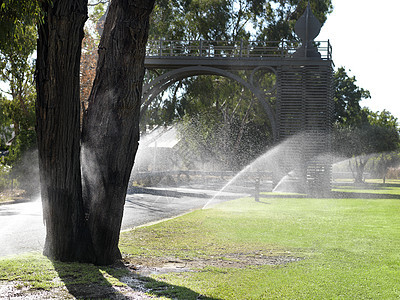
(304, 118)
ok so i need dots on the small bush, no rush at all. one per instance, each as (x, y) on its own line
(4, 177)
(393, 173)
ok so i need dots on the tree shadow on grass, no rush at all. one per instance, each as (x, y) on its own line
(87, 281)
(342, 194)
(368, 185)
(367, 194)
(355, 195)
(336, 195)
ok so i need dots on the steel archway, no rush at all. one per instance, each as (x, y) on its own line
(161, 83)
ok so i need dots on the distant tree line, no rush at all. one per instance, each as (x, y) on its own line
(361, 134)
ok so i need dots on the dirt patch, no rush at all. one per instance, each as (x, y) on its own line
(134, 282)
(152, 265)
(17, 290)
(134, 289)
(12, 196)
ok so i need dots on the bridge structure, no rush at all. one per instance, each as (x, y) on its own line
(303, 91)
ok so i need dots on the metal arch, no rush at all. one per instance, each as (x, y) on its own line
(152, 89)
(273, 70)
(174, 75)
(161, 83)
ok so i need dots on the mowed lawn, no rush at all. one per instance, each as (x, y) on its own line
(347, 248)
(283, 247)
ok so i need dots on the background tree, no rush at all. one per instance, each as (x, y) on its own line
(5, 125)
(360, 133)
(347, 98)
(385, 165)
(389, 156)
(16, 71)
(14, 16)
(231, 19)
(374, 135)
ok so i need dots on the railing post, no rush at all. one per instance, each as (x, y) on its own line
(329, 50)
(182, 48)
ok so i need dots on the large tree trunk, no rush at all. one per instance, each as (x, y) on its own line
(58, 130)
(111, 123)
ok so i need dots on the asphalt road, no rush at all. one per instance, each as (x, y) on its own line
(22, 229)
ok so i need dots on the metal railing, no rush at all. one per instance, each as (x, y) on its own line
(230, 49)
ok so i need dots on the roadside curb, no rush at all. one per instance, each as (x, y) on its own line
(16, 201)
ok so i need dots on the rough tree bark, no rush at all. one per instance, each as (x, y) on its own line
(58, 130)
(111, 123)
(83, 221)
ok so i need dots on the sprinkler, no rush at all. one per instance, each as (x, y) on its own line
(257, 189)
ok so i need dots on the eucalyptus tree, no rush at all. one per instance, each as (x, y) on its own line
(75, 198)
(347, 98)
(83, 220)
(231, 19)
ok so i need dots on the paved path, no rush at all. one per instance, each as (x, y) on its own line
(22, 228)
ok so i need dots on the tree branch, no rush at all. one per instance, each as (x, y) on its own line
(99, 2)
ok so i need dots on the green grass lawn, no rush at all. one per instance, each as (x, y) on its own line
(329, 248)
(350, 247)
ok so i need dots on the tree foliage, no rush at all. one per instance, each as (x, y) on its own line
(377, 133)
(231, 19)
(347, 99)
(360, 133)
(17, 72)
(15, 15)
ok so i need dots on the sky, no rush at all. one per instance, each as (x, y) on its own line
(365, 39)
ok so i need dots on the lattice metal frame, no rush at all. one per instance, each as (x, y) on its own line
(304, 117)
